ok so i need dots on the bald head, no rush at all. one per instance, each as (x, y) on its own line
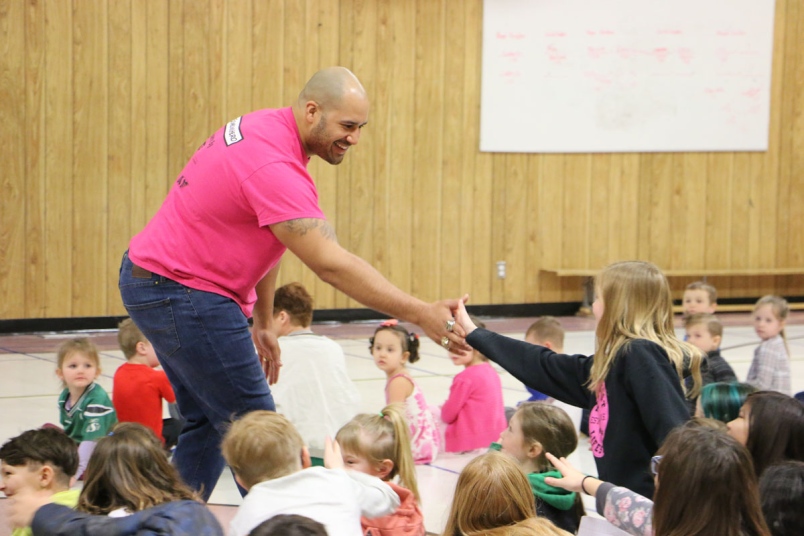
(328, 87)
(330, 111)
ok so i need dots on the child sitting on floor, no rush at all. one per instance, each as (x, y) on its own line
(534, 430)
(474, 412)
(379, 445)
(393, 347)
(40, 462)
(128, 472)
(85, 411)
(269, 459)
(139, 387)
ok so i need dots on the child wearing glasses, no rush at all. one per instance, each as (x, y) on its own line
(708, 486)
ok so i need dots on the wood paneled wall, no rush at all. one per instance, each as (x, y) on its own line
(103, 101)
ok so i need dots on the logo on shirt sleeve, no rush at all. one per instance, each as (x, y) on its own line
(232, 133)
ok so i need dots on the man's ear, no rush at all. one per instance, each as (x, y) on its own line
(305, 458)
(311, 108)
(384, 468)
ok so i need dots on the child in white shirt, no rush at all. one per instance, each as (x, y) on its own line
(269, 459)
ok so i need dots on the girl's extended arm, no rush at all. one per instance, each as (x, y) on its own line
(621, 507)
(561, 376)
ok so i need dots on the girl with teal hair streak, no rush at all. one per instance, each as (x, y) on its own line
(722, 401)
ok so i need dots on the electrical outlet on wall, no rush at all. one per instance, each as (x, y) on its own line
(500, 269)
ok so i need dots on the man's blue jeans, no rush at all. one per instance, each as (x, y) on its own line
(204, 345)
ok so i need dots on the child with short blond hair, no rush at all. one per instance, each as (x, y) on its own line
(705, 331)
(139, 387)
(545, 331)
(699, 297)
(269, 459)
(85, 410)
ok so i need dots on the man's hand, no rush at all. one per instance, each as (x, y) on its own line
(433, 321)
(269, 353)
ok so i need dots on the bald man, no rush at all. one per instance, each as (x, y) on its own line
(209, 258)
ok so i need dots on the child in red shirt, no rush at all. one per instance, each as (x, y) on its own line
(139, 388)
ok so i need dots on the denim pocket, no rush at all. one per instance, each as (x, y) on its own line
(157, 323)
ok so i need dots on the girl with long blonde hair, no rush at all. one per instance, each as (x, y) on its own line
(379, 445)
(633, 383)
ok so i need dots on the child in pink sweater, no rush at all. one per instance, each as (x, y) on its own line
(474, 412)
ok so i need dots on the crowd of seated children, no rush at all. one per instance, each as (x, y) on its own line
(474, 412)
(128, 475)
(770, 368)
(85, 410)
(314, 390)
(139, 388)
(269, 459)
(708, 477)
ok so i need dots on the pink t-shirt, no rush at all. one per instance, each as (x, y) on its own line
(474, 411)
(211, 233)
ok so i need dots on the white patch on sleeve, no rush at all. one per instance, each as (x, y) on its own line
(232, 134)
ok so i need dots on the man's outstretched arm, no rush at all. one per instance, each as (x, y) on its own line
(315, 243)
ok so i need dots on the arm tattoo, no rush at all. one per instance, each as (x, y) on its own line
(302, 225)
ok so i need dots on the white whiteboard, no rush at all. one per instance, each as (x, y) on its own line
(626, 75)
